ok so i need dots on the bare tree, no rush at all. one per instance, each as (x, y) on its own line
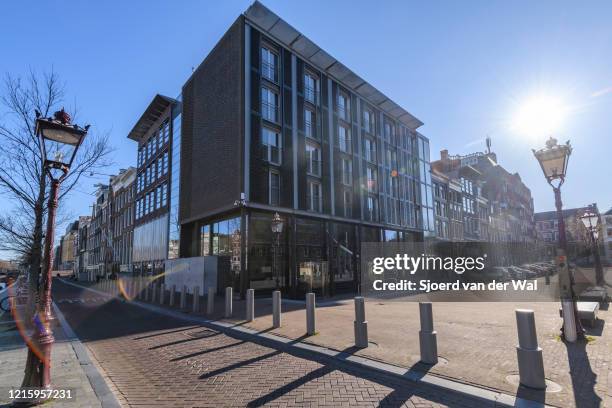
(22, 177)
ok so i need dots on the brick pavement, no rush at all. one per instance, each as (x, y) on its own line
(155, 360)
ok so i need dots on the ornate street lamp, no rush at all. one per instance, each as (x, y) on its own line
(590, 219)
(59, 141)
(553, 159)
(277, 229)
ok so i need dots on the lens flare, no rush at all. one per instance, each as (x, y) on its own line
(540, 115)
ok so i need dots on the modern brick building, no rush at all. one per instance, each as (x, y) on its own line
(155, 237)
(273, 123)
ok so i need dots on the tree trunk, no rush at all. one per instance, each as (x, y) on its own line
(36, 252)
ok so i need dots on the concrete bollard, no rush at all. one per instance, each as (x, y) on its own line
(427, 335)
(172, 292)
(310, 314)
(162, 293)
(360, 324)
(210, 306)
(250, 305)
(196, 299)
(528, 353)
(183, 301)
(229, 300)
(276, 309)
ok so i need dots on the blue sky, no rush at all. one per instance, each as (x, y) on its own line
(464, 68)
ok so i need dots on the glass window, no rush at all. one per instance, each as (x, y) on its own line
(269, 62)
(347, 172)
(344, 139)
(164, 191)
(343, 105)
(372, 208)
(313, 160)
(205, 240)
(369, 148)
(165, 163)
(269, 104)
(314, 196)
(272, 145)
(371, 176)
(274, 188)
(348, 203)
(310, 87)
(309, 123)
(368, 120)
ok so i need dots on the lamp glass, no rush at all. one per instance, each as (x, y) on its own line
(589, 219)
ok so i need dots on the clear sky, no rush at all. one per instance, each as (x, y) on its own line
(466, 69)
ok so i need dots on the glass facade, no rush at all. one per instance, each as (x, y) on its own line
(175, 176)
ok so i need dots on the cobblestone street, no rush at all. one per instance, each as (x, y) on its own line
(154, 360)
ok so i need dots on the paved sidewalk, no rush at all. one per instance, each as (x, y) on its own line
(66, 370)
(477, 343)
(157, 360)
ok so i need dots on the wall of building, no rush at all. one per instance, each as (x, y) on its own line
(211, 136)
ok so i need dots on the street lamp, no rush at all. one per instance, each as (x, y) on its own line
(59, 141)
(277, 229)
(590, 219)
(553, 160)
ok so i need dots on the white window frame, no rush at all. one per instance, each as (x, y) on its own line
(310, 92)
(269, 147)
(347, 176)
(347, 139)
(313, 165)
(311, 196)
(269, 69)
(269, 109)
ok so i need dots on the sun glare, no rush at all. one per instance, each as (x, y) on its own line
(541, 115)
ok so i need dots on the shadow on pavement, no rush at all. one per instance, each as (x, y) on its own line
(583, 377)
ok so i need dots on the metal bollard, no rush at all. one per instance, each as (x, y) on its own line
(172, 291)
(154, 292)
(310, 314)
(162, 293)
(183, 300)
(360, 324)
(276, 309)
(528, 353)
(250, 305)
(146, 291)
(228, 301)
(427, 335)
(196, 299)
(210, 306)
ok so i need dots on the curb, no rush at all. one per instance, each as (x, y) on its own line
(496, 398)
(105, 395)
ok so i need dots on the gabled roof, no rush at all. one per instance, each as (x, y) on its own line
(274, 26)
(157, 106)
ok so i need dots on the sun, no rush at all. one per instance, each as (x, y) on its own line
(540, 115)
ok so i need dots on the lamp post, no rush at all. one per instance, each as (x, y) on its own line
(590, 219)
(277, 229)
(59, 141)
(553, 159)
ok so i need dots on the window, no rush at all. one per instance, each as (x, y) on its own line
(344, 139)
(205, 240)
(369, 149)
(272, 146)
(274, 180)
(371, 208)
(140, 157)
(313, 160)
(347, 172)
(371, 177)
(165, 131)
(269, 62)
(164, 193)
(343, 105)
(165, 163)
(309, 123)
(158, 194)
(314, 196)
(390, 133)
(368, 120)
(269, 104)
(348, 203)
(310, 87)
